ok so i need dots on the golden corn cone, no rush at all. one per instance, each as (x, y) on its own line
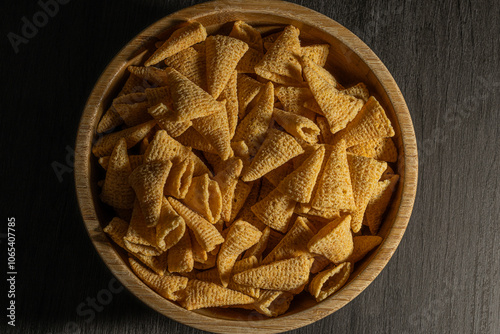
(140, 238)
(298, 126)
(227, 180)
(370, 123)
(320, 263)
(199, 294)
(334, 190)
(148, 181)
(205, 232)
(116, 191)
(378, 203)
(241, 193)
(334, 241)
(362, 245)
(275, 210)
(109, 121)
(154, 75)
(365, 173)
(179, 179)
(249, 60)
(190, 101)
(158, 264)
(135, 161)
(195, 140)
(278, 148)
(167, 286)
(284, 275)
(230, 94)
(117, 229)
(326, 135)
(276, 175)
(182, 38)
(257, 249)
(247, 34)
(292, 98)
(204, 197)
(215, 129)
(281, 62)
(273, 303)
(248, 89)
(170, 227)
(299, 185)
(320, 71)
(240, 266)
(253, 128)
(379, 149)
(133, 114)
(223, 54)
(180, 256)
(105, 144)
(199, 254)
(192, 64)
(210, 275)
(329, 281)
(318, 53)
(240, 237)
(359, 90)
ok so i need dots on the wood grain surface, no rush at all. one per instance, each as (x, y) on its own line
(442, 279)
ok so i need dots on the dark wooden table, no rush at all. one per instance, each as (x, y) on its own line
(445, 275)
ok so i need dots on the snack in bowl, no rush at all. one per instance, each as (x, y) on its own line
(242, 172)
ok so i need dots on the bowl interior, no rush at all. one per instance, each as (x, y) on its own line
(344, 62)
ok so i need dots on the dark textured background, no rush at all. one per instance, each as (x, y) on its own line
(444, 277)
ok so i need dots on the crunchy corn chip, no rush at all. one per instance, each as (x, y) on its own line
(133, 114)
(370, 123)
(274, 239)
(247, 34)
(117, 229)
(194, 139)
(240, 237)
(190, 101)
(170, 227)
(180, 256)
(300, 183)
(247, 89)
(293, 244)
(275, 210)
(281, 62)
(161, 114)
(104, 146)
(273, 303)
(292, 98)
(312, 105)
(252, 129)
(299, 126)
(199, 254)
(284, 275)
(323, 215)
(135, 161)
(388, 173)
(160, 95)
(148, 181)
(240, 266)
(205, 198)
(199, 294)
(319, 71)
(318, 53)
(158, 264)
(338, 108)
(334, 241)
(365, 173)
(109, 121)
(206, 234)
(179, 179)
(380, 149)
(210, 275)
(378, 203)
(329, 281)
(276, 150)
(326, 134)
(230, 94)
(360, 91)
(276, 175)
(140, 238)
(240, 150)
(209, 263)
(249, 60)
(192, 64)
(223, 54)
(215, 129)
(155, 75)
(334, 190)
(180, 39)
(167, 286)
(227, 180)
(320, 263)
(116, 191)
(241, 193)
(362, 245)
(257, 249)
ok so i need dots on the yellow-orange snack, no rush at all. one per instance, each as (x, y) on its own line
(167, 286)
(170, 227)
(140, 238)
(241, 192)
(299, 126)
(240, 237)
(133, 114)
(230, 94)
(135, 161)
(275, 210)
(215, 129)
(154, 75)
(247, 34)
(365, 173)
(279, 173)
(158, 264)
(318, 53)
(284, 275)
(117, 229)
(248, 89)
(223, 54)
(362, 245)
(273, 303)
(192, 64)
(334, 241)
(180, 257)
(379, 200)
(240, 266)
(379, 149)
(116, 191)
(180, 39)
(257, 249)
(179, 179)
(205, 198)
(293, 98)
(227, 180)
(360, 91)
(329, 281)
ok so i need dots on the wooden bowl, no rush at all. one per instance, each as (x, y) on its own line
(350, 60)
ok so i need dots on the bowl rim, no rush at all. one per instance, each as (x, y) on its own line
(287, 322)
